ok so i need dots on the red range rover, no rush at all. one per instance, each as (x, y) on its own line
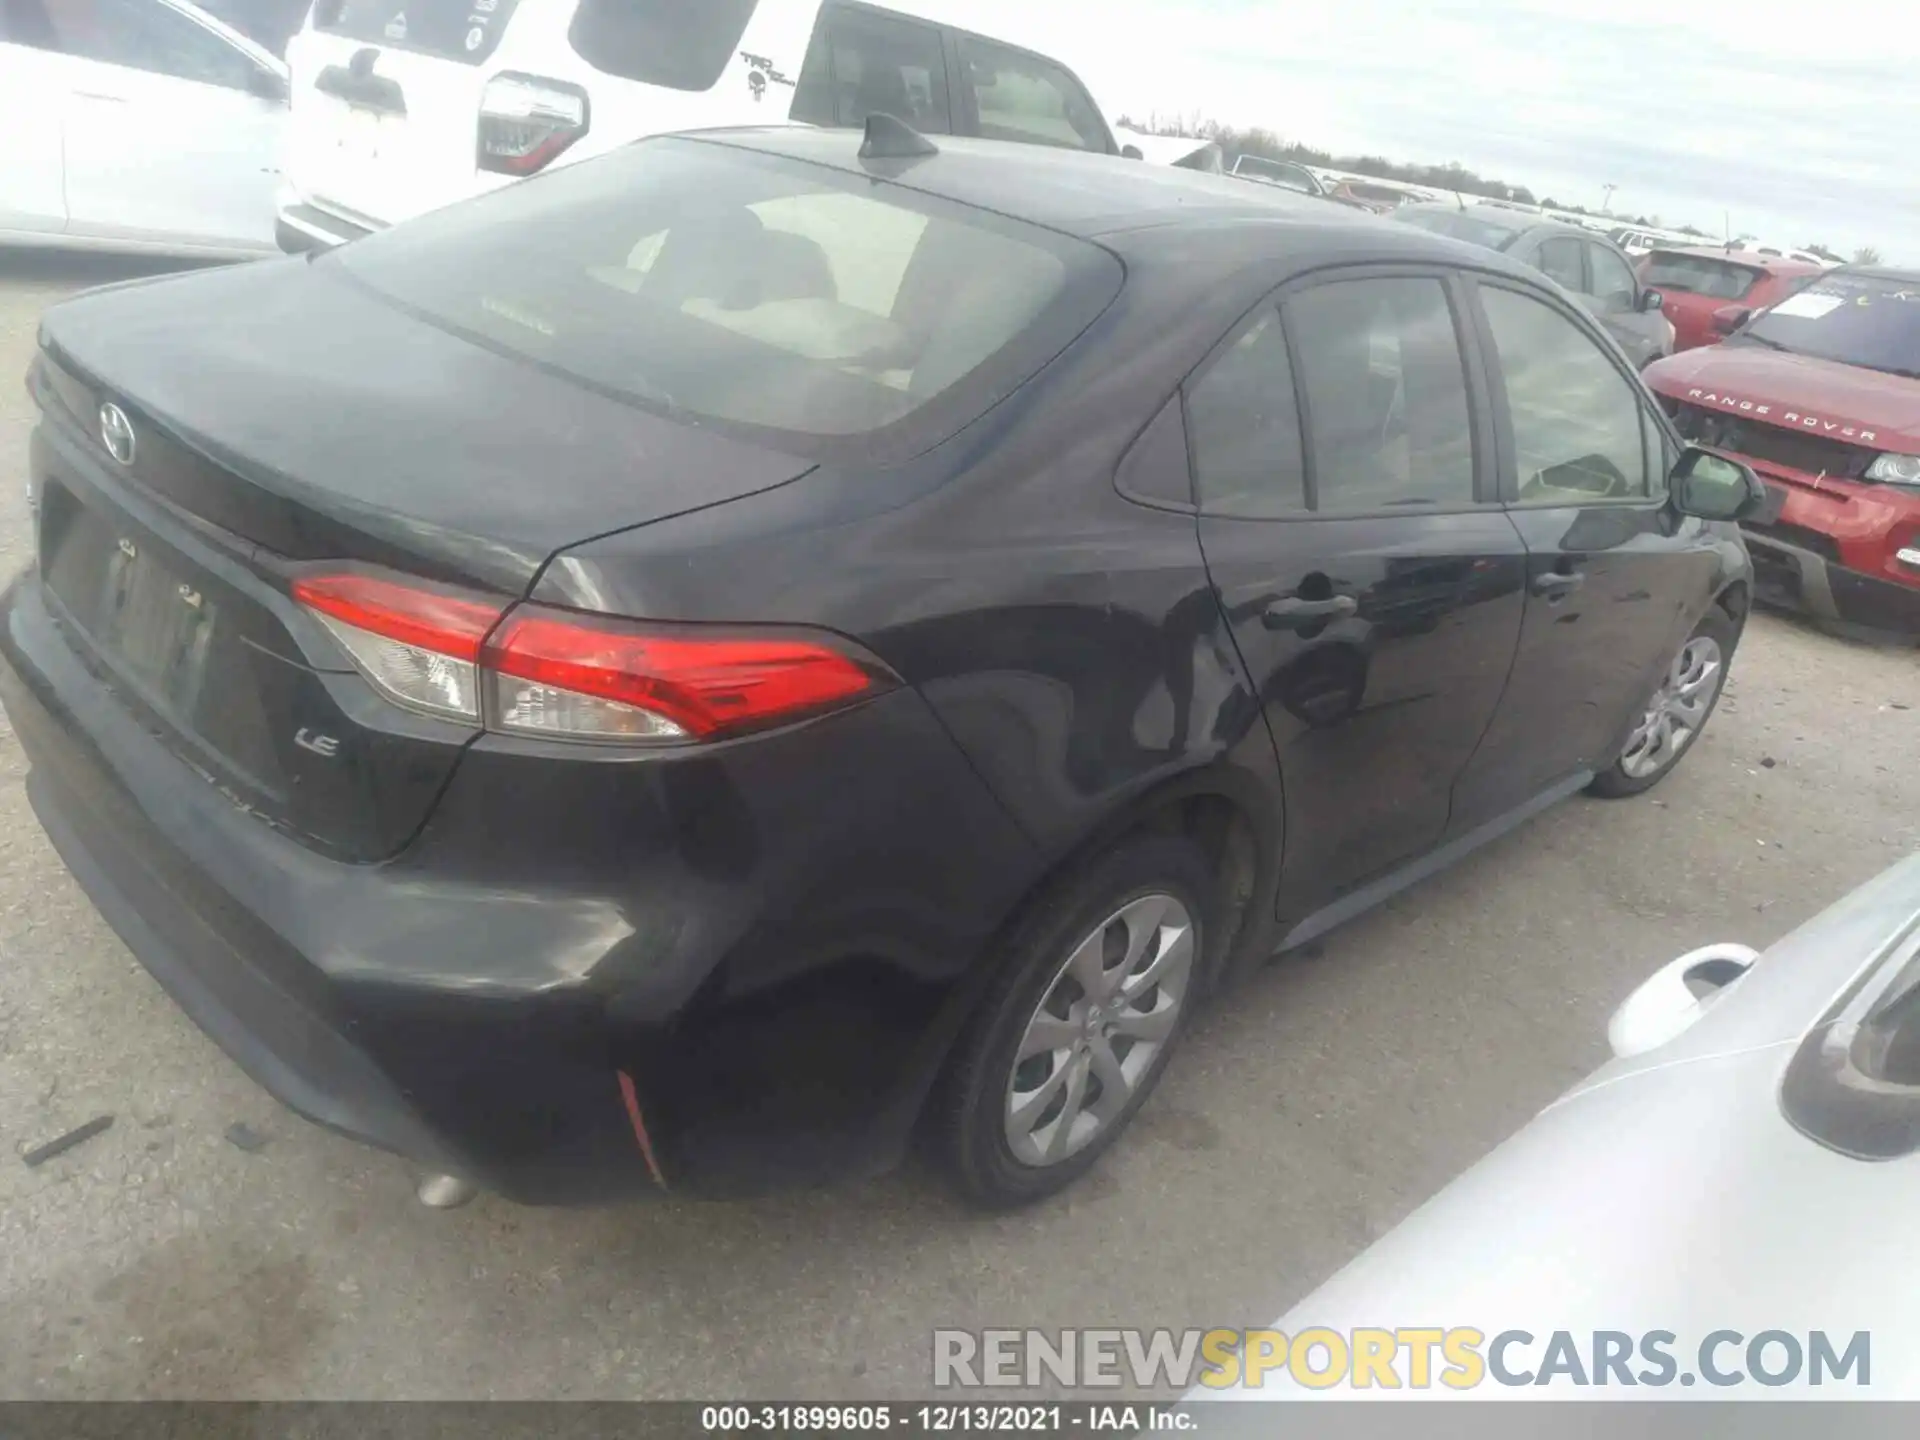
(1709, 291)
(1820, 393)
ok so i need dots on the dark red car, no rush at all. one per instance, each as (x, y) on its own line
(1703, 282)
(1821, 395)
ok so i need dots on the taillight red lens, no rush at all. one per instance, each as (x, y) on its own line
(437, 620)
(525, 121)
(551, 672)
(419, 645)
(701, 686)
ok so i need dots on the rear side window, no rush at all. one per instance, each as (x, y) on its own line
(862, 64)
(1700, 275)
(1243, 427)
(725, 285)
(464, 30)
(1019, 96)
(661, 42)
(1384, 384)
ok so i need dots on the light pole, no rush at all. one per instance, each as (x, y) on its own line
(1606, 200)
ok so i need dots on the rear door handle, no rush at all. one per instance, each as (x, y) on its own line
(1292, 610)
(1555, 583)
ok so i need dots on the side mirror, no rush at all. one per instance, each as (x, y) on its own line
(1131, 152)
(1708, 486)
(269, 85)
(1651, 301)
(1729, 318)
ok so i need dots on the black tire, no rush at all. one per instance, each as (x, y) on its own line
(970, 1121)
(1615, 783)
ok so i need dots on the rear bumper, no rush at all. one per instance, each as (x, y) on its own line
(778, 999)
(322, 1042)
(1795, 578)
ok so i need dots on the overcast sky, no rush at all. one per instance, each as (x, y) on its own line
(1802, 121)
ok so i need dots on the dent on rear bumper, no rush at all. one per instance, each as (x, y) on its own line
(776, 967)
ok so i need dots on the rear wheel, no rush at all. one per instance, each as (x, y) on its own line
(1074, 1035)
(1675, 713)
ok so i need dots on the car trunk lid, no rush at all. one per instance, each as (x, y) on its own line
(174, 564)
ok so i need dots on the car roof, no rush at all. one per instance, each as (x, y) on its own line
(1070, 191)
(1517, 222)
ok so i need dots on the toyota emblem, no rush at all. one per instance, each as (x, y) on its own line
(116, 432)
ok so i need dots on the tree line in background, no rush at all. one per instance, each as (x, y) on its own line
(1452, 176)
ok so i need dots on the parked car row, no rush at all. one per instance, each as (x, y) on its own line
(173, 132)
(1584, 264)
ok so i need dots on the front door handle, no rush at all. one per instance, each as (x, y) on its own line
(1291, 611)
(1555, 583)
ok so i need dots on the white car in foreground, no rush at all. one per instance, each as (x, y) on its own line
(1724, 1211)
(137, 125)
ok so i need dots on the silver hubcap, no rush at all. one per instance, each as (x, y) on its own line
(1677, 710)
(1095, 1033)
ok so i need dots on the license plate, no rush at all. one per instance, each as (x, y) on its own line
(159, 625)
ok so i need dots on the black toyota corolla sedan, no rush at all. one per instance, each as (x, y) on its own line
(702, 668)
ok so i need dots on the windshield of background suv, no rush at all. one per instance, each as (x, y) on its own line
(1700, 275)
(1459, 226)
(1869, 320)
(728, 285)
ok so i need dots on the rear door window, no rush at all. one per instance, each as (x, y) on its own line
(1021, 96)
(1700, 275)
(661, 42)
(1386, 394)
(862, 63)
(463, 30)
(1560, 259)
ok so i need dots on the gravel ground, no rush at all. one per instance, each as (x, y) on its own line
(160, 1259)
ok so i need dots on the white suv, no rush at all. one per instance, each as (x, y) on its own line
(402, 106)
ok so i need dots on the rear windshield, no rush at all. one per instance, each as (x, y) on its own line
(1461, 227)
(464, 30)
(724, 285)
(1293, 177)
(1869, 320)
(1700, 275)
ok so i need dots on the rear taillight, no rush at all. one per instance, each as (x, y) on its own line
(526, 121)
(532, 670)
(418, 644)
